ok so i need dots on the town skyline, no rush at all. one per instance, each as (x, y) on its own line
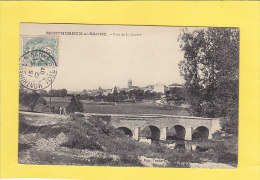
(107, 61)
(123, 87)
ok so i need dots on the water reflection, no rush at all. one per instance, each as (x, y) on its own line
(186, 145)
(180, 146)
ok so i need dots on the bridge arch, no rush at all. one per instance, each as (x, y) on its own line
(126, 131)
(200, 133)
(151, 132)
(176, 132)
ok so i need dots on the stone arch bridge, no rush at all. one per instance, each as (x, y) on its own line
(162, 127)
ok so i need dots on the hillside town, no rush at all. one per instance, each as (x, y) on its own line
(158, 88)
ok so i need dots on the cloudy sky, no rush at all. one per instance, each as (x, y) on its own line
(87, 62)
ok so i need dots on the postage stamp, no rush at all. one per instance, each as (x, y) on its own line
(39, 61)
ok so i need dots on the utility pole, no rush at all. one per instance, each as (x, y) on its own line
(50, 96)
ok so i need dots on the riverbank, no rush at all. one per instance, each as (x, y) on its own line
(63, 140)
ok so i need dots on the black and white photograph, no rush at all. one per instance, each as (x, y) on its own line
(128, 96)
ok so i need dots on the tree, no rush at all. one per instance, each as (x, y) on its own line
(30, 99)
(122, 95)
(139, 94)
(175, 94)
(110, 98)
(151, 95)
(43, 92)
(75, 105)
(58, 93)
(115, 92)
(210, 69)
(63, 92)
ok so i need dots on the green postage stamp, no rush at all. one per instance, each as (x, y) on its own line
(38, 61)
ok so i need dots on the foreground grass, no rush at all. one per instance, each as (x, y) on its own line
(80, 141)
(107, 145)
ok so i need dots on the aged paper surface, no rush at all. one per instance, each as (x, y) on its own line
(45, 163)
(142, 96)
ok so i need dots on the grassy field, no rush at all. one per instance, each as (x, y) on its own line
(120, 108)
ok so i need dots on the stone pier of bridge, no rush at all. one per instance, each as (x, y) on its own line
(163, 133)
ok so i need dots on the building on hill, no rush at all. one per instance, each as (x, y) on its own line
(175, 85)
(134, 87)
(149, 88)
(130, 84)
(116, 88)
(107, 91)
(78, 92)
(160, 88)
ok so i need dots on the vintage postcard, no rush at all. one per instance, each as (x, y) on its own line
(135, 96)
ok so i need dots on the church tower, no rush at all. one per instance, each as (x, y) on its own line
(130, 84)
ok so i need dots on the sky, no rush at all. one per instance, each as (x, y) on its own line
(86, 62)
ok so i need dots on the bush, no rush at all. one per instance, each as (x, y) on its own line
(23, 147)
(75, 105)
(25, 128)
(230, 125)
(228, 158)
(31, 99)
(80, 141)
(81, 135)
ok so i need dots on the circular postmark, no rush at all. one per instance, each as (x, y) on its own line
(37, 70)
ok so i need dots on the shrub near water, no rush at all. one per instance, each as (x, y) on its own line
(96, 134)
(81, 141)
(81, 135)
